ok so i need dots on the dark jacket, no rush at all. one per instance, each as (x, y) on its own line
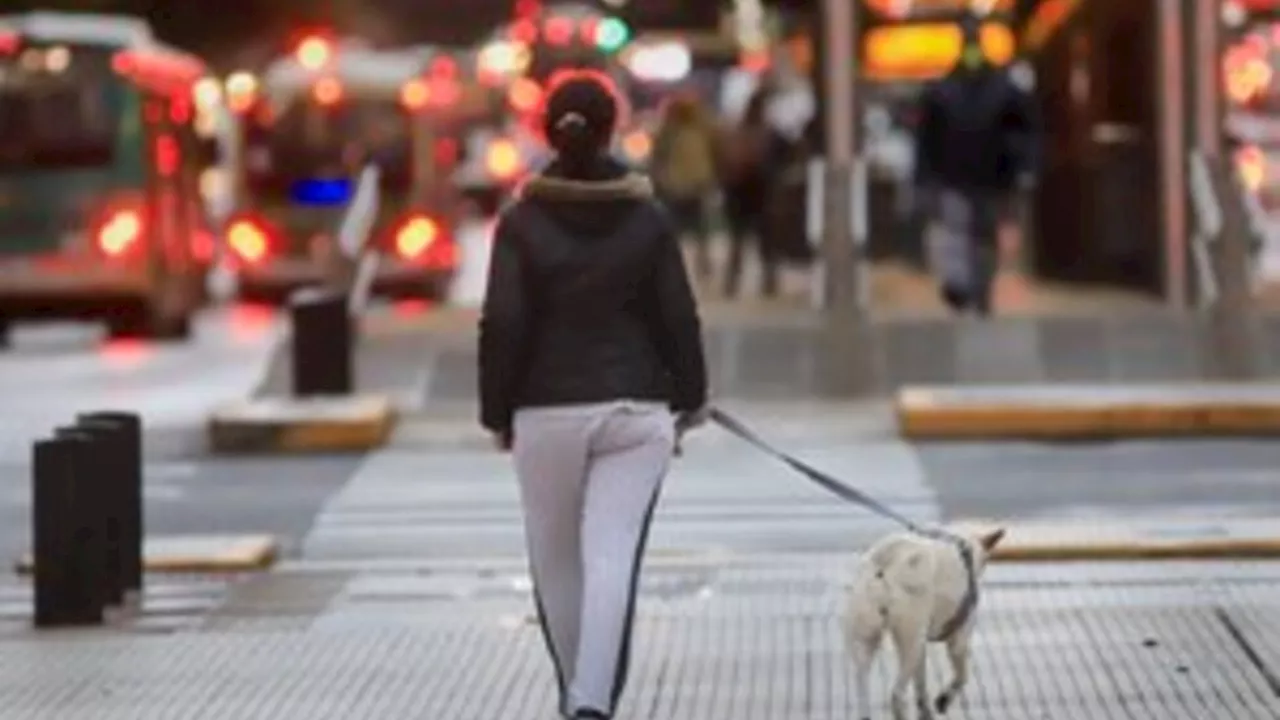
(587, 300)
(978, 131)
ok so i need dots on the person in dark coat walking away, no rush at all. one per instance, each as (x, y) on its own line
(683, 166)
(977, 141)
(749, 155)
(591, 367)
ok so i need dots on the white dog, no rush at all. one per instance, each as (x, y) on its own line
(914, 587)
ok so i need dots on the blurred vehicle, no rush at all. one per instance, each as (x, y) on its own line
(315, 122)
(516, 62)
(101, 215)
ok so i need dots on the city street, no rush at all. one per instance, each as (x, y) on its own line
(1056, 240)
(402, 592)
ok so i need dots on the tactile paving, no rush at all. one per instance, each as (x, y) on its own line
(733, 643)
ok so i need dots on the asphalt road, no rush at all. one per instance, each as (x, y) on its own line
(54, 372)
(462, 502)
(434, 499)
(1191, 477)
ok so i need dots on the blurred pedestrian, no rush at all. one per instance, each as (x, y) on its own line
(749, 154)
(591, 367)
(683, 166)
(977, 142)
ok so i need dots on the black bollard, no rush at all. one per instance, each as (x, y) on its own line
(128, 501)
(323, 343)
(67, 561)
(97, 477)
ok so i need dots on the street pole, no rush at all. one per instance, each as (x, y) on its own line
(847, 367)
(1231, 337)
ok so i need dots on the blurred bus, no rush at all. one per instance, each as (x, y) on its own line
(101, 214)
(313, 123)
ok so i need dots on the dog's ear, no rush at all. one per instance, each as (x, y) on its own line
(991, 539)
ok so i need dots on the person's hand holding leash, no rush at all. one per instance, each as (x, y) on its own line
(503, 441)
(687, 421)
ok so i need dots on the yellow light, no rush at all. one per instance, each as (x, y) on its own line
(120, 232)
(1252, 165)
(416, 236)
(927, 50)
(503, 158)
(314, 53)
(242, 91)
(328, 91)
(242, 83)
(504, 58)
(415, 94)
(207, 93)
(524, 95)
(1247, 74)
(637, 145)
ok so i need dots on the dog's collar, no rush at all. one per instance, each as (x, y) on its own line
(969, 602)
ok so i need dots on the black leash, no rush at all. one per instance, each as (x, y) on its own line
(855, 496)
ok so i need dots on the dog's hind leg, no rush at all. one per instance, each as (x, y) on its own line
(863, 650)
(958, 653)
(910, 643)
(924, 711)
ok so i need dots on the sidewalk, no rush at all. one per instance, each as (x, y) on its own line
(410, 600)
(716, 641)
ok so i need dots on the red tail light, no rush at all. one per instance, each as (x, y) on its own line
(421, 239)
(444, 92)
(328, 92)
(249, 240)
(120, 233)
(559, 30)
(416, 236)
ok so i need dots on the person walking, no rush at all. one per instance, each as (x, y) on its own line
(977, 142)
(750, 153)
(591, 367)
(683, 166)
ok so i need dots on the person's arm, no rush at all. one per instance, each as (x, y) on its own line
(926, 137)
(678, 328)
(504, 330)
(1023, 122)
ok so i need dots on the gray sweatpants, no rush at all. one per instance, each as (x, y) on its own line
(589, 476)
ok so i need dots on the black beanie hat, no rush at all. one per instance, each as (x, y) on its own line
(580, 115)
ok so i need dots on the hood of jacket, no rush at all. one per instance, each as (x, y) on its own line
(591, 204)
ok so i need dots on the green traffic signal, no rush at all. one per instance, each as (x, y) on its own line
(612, 34)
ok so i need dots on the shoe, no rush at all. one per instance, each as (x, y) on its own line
(955, 298)
(590, 715)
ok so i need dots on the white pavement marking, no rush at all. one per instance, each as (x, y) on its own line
(469, 284)
(441, 504)
(20, 494)
(414, 398)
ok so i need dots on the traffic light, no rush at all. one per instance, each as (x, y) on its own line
(612, 34)
(314, 52)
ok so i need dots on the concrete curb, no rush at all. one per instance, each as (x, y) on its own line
(1252, 539)
(310, 425)
(182, 554)
(1031, 412)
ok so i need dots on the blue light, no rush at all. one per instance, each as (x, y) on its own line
(324, 192)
